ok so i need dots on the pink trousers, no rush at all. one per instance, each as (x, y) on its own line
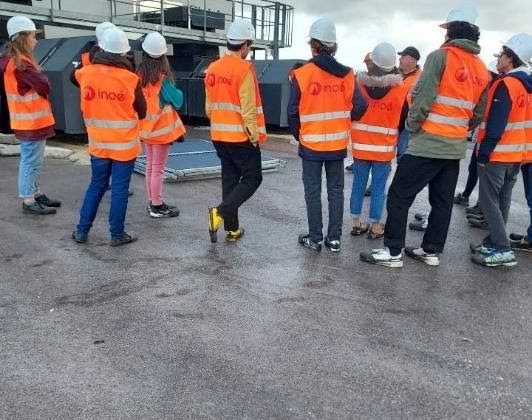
(156, 157)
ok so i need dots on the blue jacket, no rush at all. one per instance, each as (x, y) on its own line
(329, 64)
(498, 115)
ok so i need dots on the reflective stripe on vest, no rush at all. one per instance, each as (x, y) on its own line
(114, 146)
(446, 100)
(373, 148)
(22, 98)
(161, 131)
(509, 148)
(458, 122)
(344, 135)
(30, 115)
(109, 123)
(324, 116)
(229, 128)
(375, 129)
(155, 117)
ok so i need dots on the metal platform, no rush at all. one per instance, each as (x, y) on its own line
(197, 159)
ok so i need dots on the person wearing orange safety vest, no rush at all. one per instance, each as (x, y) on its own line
(374, 137)
(162, 125)
(320, 110)
(410, 71)
(447, 101)
(234, 107)
(502, 148)
(112, 104)
(30, 115)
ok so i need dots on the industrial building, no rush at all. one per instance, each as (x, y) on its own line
(195, 32)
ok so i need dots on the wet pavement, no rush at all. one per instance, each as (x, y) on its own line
(174, 327)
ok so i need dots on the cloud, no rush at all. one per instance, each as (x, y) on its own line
(494, 15)
(360, 26)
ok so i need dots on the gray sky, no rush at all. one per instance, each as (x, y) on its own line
(363, 24)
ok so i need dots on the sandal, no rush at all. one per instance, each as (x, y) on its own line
(360, 229)
(372, 234)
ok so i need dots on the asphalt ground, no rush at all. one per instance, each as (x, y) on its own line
(174, 327)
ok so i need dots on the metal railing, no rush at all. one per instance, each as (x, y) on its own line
(273, 20)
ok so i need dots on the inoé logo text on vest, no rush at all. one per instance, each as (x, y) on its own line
(90, 93)
(315, 88)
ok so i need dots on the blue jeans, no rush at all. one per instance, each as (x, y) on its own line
(379, 175)
(334, 171)
(402, 144)
(31, 159)
(102, 169)
(526, 170)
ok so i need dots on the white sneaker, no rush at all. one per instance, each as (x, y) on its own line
(381, 256)
(420, 255)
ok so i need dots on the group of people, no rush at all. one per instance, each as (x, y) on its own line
(121, 107)
(422, 118)
(378, 112)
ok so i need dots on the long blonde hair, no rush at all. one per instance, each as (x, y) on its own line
(18, 48)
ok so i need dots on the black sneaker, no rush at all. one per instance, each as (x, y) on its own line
(37, 208)
(333, 245)
(47, 202)
(122, 240)
(474, 216)
(522, 245)
(461, 200)
(473, 210)
(516, 236)
(421, 216)
(349, 168)
(367, 193)
(163, 211)
(80, 238)
(308, 243)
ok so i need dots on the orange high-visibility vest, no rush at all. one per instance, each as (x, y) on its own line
(85, 60)
(29, 111)
(107, 97)
(324, 108)
(223, 80)
(410, 81)
(511, 147)
(374, 136)
(464, 79)
(161, 125)
(528, 131)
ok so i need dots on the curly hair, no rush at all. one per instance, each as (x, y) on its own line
(320, 47)
(516, 61)
(463, 30)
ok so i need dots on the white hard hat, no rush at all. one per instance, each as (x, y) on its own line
(521, 45)
(465, 13)
(18, 24)
(324, 31)
(101, 28)
(240, 31)
(114, 40)
(383, 56)
(154, 45)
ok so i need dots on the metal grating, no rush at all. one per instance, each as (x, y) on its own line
(197, 159)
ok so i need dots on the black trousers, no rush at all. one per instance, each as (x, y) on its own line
(241, 176)
(412, 175)
(472, 177)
